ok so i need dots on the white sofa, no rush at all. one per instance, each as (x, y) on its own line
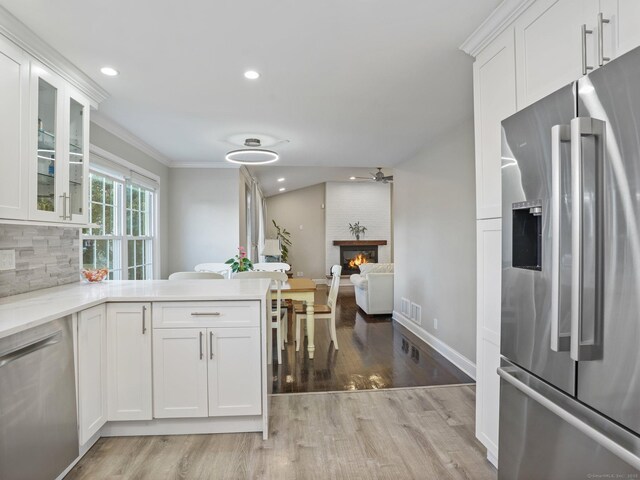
(374, 288)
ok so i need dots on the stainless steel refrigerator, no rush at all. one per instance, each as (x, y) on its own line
(570, 344)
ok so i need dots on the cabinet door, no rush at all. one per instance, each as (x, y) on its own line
(494, 89)
(621, 34)
(14, 132)
(129, 361)
(77, 151)
(489, 254)
(234, 371)
(179, 373)
(47, 149)
(92, 371)
(549, 46)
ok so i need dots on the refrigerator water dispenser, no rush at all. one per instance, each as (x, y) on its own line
(527, 235)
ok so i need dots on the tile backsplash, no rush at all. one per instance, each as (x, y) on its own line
(45, 257)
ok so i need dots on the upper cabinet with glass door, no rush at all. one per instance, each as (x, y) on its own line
(60, 119)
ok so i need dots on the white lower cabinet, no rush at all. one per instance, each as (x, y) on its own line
(129, 361)
(179, 373)
(234, 371)
(92, 371)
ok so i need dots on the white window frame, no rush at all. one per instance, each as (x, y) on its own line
(123, 170)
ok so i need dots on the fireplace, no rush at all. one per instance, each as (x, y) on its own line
(352, 257)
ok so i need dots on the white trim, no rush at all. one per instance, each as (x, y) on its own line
(205, 165)
(101, 152)
(455, 357)
(42, 223)
(184, 426)
(496, 23)
(492, 457)
(26, 39)
(128, 137)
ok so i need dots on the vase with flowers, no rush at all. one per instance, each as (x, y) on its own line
(240, 263)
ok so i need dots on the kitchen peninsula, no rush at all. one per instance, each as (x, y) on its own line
(152, 357)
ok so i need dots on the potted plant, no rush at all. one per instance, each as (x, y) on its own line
(284, 236)
(357, 230)
(240, 263)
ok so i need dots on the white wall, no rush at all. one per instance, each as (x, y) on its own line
(113, 144)
(203, 216)
(291, 210)
(350, 202)
(434, 234)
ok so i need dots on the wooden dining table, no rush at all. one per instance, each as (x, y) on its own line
(302, 289)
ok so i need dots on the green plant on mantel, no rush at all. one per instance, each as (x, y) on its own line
(284, 236)
(357, 230)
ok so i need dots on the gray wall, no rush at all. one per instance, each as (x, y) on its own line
(435, 238)
(109, 142)
(301, 207)
(203, 216)
(45, 257)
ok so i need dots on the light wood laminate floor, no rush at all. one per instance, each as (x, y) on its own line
(415, 433)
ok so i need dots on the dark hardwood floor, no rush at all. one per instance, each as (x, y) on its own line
(375, 352)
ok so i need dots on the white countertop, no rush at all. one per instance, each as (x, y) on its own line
(27, 310)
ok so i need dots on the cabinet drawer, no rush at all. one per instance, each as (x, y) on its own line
(206, 314)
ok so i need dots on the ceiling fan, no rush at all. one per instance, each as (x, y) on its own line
(378, 177)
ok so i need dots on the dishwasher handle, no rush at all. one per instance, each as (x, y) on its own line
(34, 346)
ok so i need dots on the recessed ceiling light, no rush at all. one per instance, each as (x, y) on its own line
(252, 156)
(281, 189)
(281, 179)
(251, 75)
(109, 71)
(352, 178)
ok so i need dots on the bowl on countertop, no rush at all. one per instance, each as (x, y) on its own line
(95, 275)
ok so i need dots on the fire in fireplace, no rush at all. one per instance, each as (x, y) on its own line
(351, 257)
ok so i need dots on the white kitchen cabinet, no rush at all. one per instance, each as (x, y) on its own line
(129, 372)
(489, 258)
(494, 86)
(179, 373)
(59, 141)
(234, 371)
(14, 127)
(621, 33)
(549, 46)
(92, 371)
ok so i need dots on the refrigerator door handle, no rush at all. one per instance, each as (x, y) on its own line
(560, 342)
(597, 436)
(589, 306)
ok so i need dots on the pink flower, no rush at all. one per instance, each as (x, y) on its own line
(243, 252)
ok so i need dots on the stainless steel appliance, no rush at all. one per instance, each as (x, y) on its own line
(38, 420)
(570, 371)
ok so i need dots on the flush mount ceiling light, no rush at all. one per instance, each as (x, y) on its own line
(109, 71)
(352, 178)
(281, 179)
(251, 75)
(252, 156)
(281, 189)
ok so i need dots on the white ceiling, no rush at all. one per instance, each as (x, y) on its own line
(348, 82)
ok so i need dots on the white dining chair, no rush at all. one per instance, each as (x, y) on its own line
(195, 276)
(272, 267)
(279, 313)
(321, 312)
(221, 268)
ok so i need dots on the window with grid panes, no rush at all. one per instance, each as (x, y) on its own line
(122, 233)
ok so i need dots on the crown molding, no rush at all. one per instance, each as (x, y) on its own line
(26, 39)
(496, 23)
(128, 137)
(225, 165)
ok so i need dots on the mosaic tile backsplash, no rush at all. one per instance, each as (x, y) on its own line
(45, 257)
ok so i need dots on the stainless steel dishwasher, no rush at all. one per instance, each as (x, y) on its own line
(38, 420)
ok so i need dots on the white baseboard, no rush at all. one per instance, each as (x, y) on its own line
(183, 426)
(493, 458)
(455, 357)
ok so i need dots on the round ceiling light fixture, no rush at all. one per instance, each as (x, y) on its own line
(251, 75)
(252, 156)
(109, 71)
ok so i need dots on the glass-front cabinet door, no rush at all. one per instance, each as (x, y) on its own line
(77, 157)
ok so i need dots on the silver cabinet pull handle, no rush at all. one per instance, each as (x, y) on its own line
(583, 34)
(601, 22)
(144, 319)
(205, 314)
(64, 215)
(586, 245)
(211, 345)
(559, 134)
(201, 354)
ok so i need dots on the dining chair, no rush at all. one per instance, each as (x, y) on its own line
(195, 276)
(322, 312)
(279, 314)
(272, 267)
(221, 268)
